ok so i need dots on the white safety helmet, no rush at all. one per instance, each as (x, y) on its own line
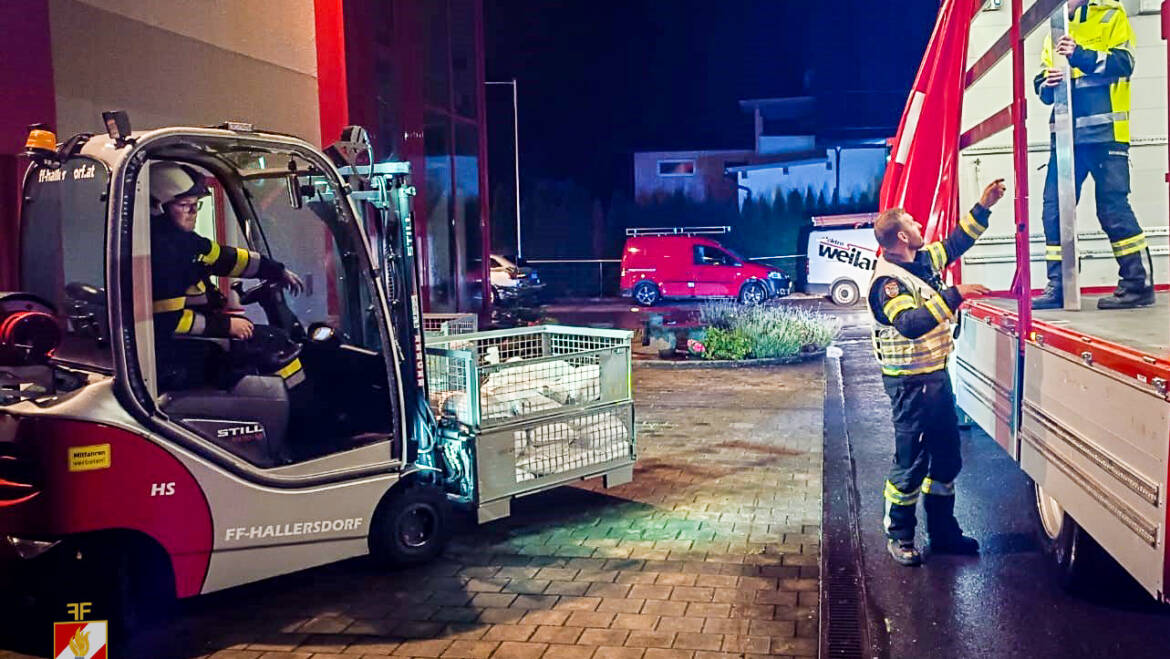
(170, 180)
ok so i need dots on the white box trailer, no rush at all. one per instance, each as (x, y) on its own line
(1078, 398)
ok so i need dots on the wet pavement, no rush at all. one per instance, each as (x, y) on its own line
(710, 552)
(1006, 602)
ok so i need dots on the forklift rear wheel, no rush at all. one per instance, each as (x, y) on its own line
(646, 293)
(1078, 558)
(411, 526)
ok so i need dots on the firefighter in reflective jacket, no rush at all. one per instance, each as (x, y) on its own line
(913, 310)
(1100, 51)
(182, 263)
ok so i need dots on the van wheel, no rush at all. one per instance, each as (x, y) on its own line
(646, 293)
(752, 293)
(411, 525)
(1078, 558)
(844, 293)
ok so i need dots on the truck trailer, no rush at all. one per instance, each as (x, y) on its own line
(1078, 397)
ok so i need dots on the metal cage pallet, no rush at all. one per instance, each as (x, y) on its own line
(500, 377)
(547, 405)
(446, 324)
(538, 454)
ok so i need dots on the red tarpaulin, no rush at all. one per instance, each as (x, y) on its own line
(922, 174)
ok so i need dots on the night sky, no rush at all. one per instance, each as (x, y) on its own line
(601, 79)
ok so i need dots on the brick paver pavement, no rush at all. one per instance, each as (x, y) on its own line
(711, 551)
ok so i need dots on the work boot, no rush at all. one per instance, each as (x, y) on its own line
(954, 544)
(1051, 298)
(1123, 298)
(904, 552)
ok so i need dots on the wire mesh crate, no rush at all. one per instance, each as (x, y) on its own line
(446, 324)
(533, 455)
(494, 378)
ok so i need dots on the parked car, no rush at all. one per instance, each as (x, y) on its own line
(513, 283)
(690, 267)
(841, 263)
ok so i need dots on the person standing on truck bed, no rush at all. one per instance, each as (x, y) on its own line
(912, 311)
(1100, 51)
(182, 263)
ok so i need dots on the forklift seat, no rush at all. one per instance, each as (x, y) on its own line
(230, 418)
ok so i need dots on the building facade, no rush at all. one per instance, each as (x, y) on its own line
(697, 175)
(410, 71)
(788, 157)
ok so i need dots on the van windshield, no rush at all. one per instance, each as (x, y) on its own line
(62, 254)
(735, 255)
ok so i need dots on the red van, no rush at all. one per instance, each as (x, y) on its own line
(689, 267)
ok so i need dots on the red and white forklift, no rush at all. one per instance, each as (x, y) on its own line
(318, 443)
(1077, 396)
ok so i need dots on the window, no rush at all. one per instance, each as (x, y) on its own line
(706, 255)
(676, 167)
(469, 238)
(440, 217)
(285, 395)
(62, 254)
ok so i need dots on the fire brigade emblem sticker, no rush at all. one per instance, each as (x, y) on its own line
(80, 638)
(891, 289)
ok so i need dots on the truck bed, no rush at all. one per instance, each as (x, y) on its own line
(1146, 329)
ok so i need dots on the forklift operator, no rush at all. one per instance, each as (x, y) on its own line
(182, 262)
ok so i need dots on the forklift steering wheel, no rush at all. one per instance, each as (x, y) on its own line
(256, 293)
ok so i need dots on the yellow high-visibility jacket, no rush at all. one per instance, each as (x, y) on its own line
(1101, 67)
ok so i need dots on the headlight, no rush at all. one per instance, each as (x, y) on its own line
(776, 274)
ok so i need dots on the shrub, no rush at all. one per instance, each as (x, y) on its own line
(768, 331)
(726, 344)
(719, 314)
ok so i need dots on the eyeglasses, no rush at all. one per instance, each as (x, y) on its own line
(189, 206)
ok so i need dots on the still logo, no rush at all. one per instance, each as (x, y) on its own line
(80, 638)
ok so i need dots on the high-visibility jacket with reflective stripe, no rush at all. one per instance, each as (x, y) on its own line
(901, 356)
(181, 263)
(1101, 68)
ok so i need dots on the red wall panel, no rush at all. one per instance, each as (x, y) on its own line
(26, 85)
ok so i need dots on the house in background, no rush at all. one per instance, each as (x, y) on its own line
(699, 175)
(792, 157)
(788, 156)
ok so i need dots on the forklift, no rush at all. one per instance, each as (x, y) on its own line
(309, 443)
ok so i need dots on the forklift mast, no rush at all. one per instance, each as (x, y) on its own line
(382, 192)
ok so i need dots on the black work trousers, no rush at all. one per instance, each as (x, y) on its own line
(926, 455)
(1108, 163)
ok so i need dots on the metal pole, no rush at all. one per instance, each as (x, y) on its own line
(1065, 162)
(515, 152)
(1023, 281)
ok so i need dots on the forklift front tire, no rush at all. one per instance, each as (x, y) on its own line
(411, 526)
